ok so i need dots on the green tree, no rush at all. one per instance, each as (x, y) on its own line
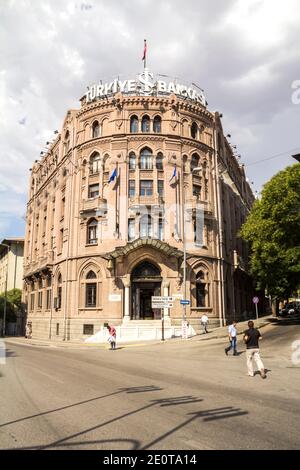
(273, 231)
(13, 304)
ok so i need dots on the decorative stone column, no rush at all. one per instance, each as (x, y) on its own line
(165, 286)
(126, 283)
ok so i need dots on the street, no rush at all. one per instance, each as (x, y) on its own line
(175, 395)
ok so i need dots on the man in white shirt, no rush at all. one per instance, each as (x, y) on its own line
(232, 332)
(204, 322)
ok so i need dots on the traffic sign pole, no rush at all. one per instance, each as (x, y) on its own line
(255, 300)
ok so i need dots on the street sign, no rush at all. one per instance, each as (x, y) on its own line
(156, 298)
(162, 304)
(114, 297)
(255, 300)
(185, 302)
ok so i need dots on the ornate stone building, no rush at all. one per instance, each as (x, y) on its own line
(105, 225)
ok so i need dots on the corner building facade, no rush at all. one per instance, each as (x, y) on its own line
(109, 204)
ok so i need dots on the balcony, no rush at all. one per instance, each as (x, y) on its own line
(96, 206)
(154, 200)
(195, 202)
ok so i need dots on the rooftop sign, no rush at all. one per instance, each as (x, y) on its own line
(145, 84)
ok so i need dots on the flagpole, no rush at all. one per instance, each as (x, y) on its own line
(145, 52)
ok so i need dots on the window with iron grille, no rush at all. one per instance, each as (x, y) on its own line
(91, 293)
(88, 329)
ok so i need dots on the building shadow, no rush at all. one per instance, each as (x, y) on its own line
(285, 321)
(142, 389)
(207, 415)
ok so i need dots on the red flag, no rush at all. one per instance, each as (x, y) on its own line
(145, 49)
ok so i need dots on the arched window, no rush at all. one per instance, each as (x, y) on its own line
(91, 275)
(146, 226)
(146, 159)
(195, 161)
(134, 124)
(159, 161)
(91, 290)
(40, 293)
(184, 163)
(145, 124)
(67, 142)
(95, 129)
(194, 131)
(145, 270)
(92, 238)
(200, 290)
(48, 292)
(157, 124)
(94, 163)
(132, 161)
(59, 291)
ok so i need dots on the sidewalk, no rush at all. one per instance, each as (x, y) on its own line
(217, 333)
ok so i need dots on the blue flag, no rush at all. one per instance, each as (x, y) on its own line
(113, 175)
(174, 174)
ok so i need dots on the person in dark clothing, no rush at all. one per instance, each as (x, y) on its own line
(251, 338)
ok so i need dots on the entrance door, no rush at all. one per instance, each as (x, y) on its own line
(146, 282)
(146, 312)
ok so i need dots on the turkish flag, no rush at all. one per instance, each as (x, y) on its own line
(145, 49)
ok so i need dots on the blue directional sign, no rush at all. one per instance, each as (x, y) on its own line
(185, 302)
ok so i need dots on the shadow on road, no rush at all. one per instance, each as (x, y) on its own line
(206, 415)
(146, 388)
(286, 321)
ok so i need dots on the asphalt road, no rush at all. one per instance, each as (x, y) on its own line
(174, 395)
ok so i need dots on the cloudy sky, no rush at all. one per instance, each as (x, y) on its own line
(244, 53)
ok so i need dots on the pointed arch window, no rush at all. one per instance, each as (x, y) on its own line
(159, 161)
(146, 159)
(67, 141)
(134, 124)
(132, 161)
(94, 163)
(157, 124)
(200, 290)
(194, 131)
(195, 161)
(91, 290)
(92, 238)
(95, 129)
(59, 291)
(145, 124)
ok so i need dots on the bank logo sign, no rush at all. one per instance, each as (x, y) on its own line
(145, 84)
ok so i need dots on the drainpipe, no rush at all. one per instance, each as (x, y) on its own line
(220, 235)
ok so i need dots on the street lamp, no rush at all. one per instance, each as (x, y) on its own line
(5, 294)
(194, 170)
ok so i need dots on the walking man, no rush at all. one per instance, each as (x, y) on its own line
(112, 336)
(232, 331)
(251, 338)
(204, 322)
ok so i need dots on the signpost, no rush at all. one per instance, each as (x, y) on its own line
(162, 302)
(255, 300)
